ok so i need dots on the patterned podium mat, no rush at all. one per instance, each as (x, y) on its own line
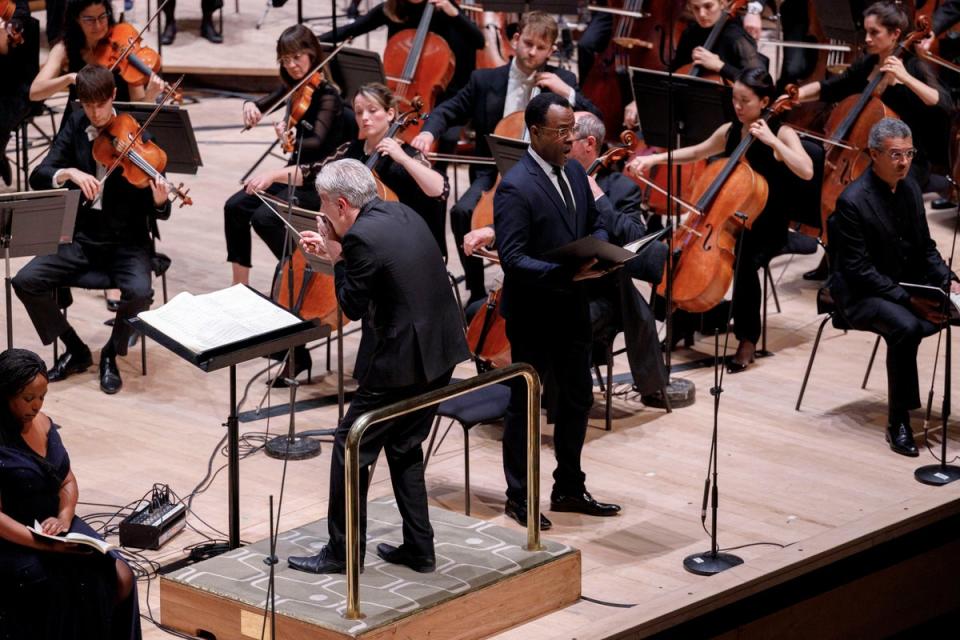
(471, 554)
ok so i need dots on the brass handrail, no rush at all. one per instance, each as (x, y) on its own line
(364, 422)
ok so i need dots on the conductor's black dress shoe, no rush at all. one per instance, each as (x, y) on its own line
(323, 562)
(110, 381)
(900, 437)
(402, 555)
(518, 511)
(583, 503)
(69, 363)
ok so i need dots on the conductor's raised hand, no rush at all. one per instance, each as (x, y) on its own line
(312, 243)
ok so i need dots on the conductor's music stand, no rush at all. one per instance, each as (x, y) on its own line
(33, 223)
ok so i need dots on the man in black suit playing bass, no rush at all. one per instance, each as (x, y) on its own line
(388, 270)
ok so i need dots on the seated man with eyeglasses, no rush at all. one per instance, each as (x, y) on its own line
(879, 239)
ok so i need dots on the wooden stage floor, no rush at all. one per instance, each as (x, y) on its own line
(786, 476)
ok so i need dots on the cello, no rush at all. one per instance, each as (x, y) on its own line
(729, 196)
(428, 66)
(404, 120)
(511, 126)
(496, 50)
(696, 70)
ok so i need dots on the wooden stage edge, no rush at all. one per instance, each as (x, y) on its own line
(516, 600)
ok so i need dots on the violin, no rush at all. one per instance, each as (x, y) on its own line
(696, 70)
(404, 120)
(299, 103)
(730, 195)
(428, 66)
(121, 144)
(123, 50)
(13, 27)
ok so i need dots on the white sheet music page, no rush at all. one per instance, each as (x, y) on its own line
(219, 318)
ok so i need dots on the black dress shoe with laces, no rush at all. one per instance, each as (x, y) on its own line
(518, 511)
(323, 562)
(69, 363)
(110, 381)
(402, 555)
(582, 503)
(169, 33)
(900, 437)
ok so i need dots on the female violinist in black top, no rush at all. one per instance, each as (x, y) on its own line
(18, 66)
(910, 86)
(322, 127)
(780, 159)
(85, 24)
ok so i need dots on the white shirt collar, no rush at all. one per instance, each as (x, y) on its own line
(546, 166)
(518, 75)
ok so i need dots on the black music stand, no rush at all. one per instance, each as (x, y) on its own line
(506, 151)
(33, 223)
(230, 355)
(838, 21)
(353, 68)
(172, 131)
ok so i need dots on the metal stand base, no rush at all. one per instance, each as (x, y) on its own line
(709, 563)
(937, 474)
(763, 353)
(292, 448)
(680, 391)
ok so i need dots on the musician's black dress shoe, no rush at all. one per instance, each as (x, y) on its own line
(943, 203)
(582, 503)
(820, 273)
(323, 562)
(207, 31)
(169, 33)
(110, 381)
(69, 363)
(900, 437)
(402, 555)
(518, 511)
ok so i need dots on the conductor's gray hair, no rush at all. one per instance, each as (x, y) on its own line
(590, 125)
(886, 129)
(349, 179)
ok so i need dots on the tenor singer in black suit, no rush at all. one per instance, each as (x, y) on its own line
(112, 234)
(543, 203)
(388, 270)
(490, 96)
(878, 239)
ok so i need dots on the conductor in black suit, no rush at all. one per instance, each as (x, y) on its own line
(388, 270)
(878, 239)
(489, 96)
(112, 234)
(542, 203)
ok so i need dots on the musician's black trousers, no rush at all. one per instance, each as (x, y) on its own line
(13, 109)
(129, 269)
(401, 440)
(206, 6)
(902, 330)
(242, 211)
(460, 217)
(755, 248)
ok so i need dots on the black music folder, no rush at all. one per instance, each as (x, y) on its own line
(608, 256)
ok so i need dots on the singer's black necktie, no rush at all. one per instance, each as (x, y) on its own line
(565, 190)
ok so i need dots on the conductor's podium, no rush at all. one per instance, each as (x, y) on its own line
(485, 582)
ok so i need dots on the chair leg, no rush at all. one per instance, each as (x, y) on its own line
(813, 354)
(163, 284)
(328, 353)
(873, 355)
(608, 426)
(433, 436)
(143, 353)
(773, 288)
(596, 371)
(466, 468)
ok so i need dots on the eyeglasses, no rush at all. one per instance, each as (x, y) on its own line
(562, 132)
(897, 154)
(285, 60)
(92, 20)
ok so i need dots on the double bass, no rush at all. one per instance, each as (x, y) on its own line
(427, 66)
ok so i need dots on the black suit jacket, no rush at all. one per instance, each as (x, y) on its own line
(481, 102)
(127, 216)
(865, 261)
(530, 218)
(393, 276)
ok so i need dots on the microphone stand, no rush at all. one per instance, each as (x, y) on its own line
(714, 561)
(942, 473)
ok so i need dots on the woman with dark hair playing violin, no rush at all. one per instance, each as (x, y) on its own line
(310, 138)
(780, 159)
(86, 23)
(18, 66)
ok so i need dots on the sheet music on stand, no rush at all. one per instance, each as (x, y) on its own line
(700, 105)
(172, 131)
(353, 68)
(506, 151)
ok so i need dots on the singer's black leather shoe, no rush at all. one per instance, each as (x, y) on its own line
(583, 503)
(900, 437)
(518, 511)
(110, 381)
(402, 555)
(169, 33)
(69, 363)
(323, 562)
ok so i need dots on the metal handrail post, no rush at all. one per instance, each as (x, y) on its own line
(364, 422)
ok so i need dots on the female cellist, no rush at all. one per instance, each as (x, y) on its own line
(298, 52)
(909, 88)
(778, 159)
(85, 24)
(448, 22)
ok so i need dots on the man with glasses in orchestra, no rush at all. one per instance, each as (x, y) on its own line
(879, 239)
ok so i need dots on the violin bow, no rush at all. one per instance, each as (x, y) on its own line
(163, 100)
(126, 50)
(259, 193)
(303, 81)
